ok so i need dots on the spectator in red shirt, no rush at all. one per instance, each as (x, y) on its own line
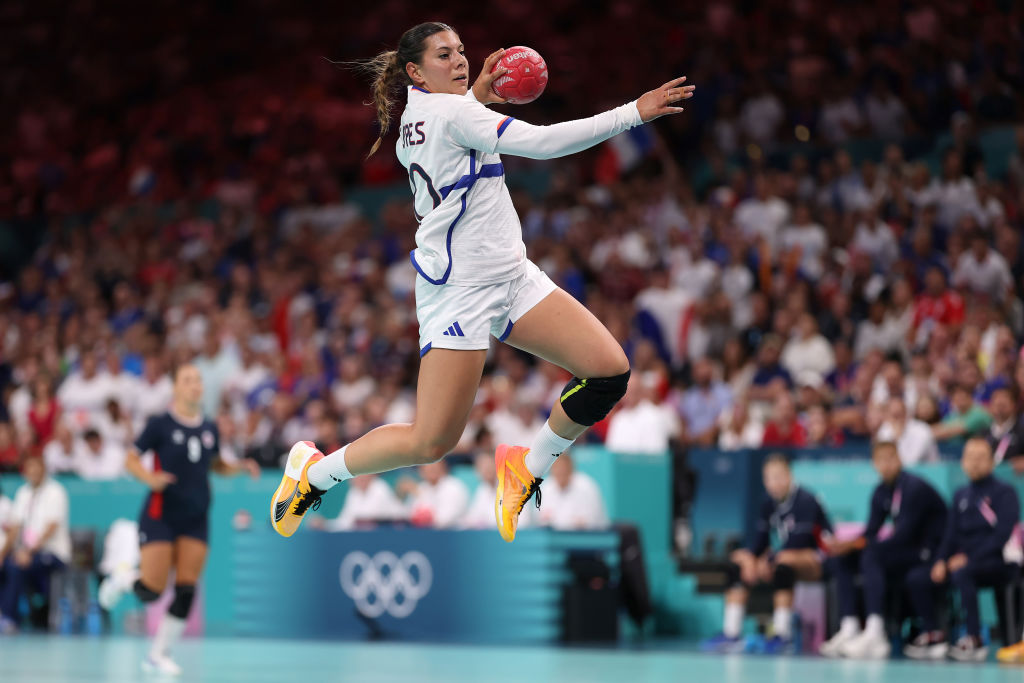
(937, 305)
(44, 413)
(10, 455)
(784, 429)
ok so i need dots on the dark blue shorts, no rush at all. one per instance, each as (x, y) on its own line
(153, 530)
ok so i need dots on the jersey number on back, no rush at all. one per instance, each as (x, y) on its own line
(417, 170)
(195, 449)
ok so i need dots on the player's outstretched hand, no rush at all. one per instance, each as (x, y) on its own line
(658, 102)
(482, 89)
(158, 481)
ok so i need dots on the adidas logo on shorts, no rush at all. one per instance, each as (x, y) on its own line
(454, 331)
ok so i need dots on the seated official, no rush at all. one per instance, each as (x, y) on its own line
(572, 500)
(786, 547)
(1006, 433)
(981, 520)
(37, 541)
(369, 499)
(918, 516)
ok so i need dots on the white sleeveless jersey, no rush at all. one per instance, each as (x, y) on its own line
(469, 232)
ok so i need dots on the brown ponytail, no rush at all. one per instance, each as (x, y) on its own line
(388, 72)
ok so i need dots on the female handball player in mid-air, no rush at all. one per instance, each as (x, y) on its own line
(474, 279)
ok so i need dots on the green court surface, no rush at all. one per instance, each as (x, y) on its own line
(50, 659)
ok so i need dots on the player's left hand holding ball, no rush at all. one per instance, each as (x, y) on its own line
(483, 89)
(659, 102)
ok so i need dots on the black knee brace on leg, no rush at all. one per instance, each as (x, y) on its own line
(143, 593)
(732, 576)
(182, 603)
(588, 401)
(784, 578)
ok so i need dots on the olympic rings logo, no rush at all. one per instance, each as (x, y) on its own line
(386, 582)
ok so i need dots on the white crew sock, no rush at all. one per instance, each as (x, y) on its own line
(167, 634)
(732, 625)
(875, 626)
(849, 627)
(782, 622)
(544, 450)
(330, 471)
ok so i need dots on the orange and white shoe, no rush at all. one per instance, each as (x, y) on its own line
(515, 487)
(1011, 654)
(295, 495)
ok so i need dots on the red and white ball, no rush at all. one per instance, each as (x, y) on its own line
(526, 78)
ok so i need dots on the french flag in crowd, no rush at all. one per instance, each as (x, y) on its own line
(623, 153)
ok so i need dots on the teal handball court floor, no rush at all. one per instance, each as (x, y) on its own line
(53, 659)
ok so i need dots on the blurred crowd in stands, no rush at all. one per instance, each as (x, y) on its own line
(192, 205)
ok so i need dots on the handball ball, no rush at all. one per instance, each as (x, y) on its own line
(526, 78)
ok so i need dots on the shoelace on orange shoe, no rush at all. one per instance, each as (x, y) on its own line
(532, 489)
(308, 501)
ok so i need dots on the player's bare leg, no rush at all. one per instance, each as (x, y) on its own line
(189, 560)
(559, 330)
(447, 386)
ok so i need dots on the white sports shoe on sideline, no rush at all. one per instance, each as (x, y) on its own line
(866, 646)
(160, 664)
(115, 586)
(833, 646)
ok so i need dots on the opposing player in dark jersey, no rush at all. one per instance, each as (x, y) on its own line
(173, 523)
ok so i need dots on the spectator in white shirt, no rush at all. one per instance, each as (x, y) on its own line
(97, 459)
(37, 541)
(875, 238)
(438, 500)
(571, 499)
(885, 112)
(639, 424)
(516, 420)
(763, 215)
(368, 500)
(59, 453)
(353, 386)
(983, 270)
(955, 192)
(217, 362)
(877, 332)
(84, 393)
(19, 403)
(808, 350)
(840, 116)
(761, 114)
(480, 513)
(114, 425)
(914, 439)
(154, 389)
(123, 386)
(807, 241)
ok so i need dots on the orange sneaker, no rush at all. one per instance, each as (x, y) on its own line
(515, 487)
(295, 495)
(1011, 654)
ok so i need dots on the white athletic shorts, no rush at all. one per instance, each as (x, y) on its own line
(467, 316)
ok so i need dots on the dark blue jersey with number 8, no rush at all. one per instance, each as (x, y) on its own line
(186, 452)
